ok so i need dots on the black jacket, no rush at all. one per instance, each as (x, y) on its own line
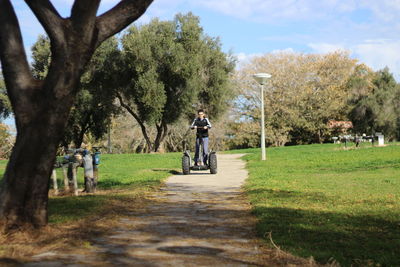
(200, 123)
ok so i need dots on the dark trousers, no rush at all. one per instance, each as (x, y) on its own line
(204, 142)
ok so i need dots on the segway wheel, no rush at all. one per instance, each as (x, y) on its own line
(213, 163)
(185, 165)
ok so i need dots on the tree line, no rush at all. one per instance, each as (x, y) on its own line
(158, 73)
(154, 82)
(305, 92)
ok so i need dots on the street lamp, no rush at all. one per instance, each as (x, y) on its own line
(262, 78)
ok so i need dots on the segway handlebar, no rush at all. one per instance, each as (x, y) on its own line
(195, 127)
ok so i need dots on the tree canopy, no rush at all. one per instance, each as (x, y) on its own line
(305, 91)
(170, 69)
(94, 106)
(376, 108)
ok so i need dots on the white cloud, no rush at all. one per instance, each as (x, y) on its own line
(386, 10)
(379, 54)
(288, 50)
(376, 53)
(244, 58)
(270, 10)
(324, 48)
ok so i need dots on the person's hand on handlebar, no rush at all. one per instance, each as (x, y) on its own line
(194, 127)
(205, 127)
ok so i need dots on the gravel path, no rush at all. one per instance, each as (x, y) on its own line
(197, 220)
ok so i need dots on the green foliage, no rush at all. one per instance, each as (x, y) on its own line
(6, 143)
(41, 56)
(378, 109)
(244, 135)
(172, 68)
(323, 201)
(94, 105)
(3, 164)
(5, 105)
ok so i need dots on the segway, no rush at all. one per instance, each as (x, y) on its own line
(189, 165)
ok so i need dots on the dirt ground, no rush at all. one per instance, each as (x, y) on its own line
(196, 220)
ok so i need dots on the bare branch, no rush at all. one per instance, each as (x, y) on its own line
(49, 17)
(137, 118)
(130, 110)
(119, 17)
(12, 53)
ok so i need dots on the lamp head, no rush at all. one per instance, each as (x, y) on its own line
(261, 78)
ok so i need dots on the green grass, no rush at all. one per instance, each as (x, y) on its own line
(124, 171)
(2, 167)
(326, 202)
(317, 200)
(134, 173)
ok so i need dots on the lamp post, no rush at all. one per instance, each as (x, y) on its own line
(262, 78)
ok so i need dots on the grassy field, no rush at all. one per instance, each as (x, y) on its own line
(316, 200)
(125, 176)
(329, 203)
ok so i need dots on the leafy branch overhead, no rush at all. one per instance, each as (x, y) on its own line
(95, 101)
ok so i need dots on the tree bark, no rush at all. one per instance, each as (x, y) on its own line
(78, 139)
(162, 130)
(141, 123)
(41, 108)
(24, 192)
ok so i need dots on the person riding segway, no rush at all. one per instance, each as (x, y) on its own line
(201, 124)
(203, 160)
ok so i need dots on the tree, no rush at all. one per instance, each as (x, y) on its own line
(94, 105)
(41, 107)
(5, 106)
(172, 68)
(376, 109)
(305, 91)
(6, 141)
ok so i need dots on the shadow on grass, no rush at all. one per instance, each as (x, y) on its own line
(173, 172)
(285, 194)
(152, 179)
(64, 209)
(115, 184)
(362, 166)
(351, 240)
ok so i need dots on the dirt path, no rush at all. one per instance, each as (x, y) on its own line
(198, 220)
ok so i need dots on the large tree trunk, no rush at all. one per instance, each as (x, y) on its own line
(24, 192)
(41, 108)
(138, 120)
(161, 134)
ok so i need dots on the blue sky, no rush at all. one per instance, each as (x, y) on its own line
(368, 29)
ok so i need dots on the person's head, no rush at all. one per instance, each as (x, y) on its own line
(200, 113)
